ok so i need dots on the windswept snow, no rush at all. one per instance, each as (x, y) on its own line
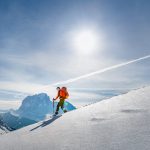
(119, 123)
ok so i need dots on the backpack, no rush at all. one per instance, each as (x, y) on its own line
(64, 93)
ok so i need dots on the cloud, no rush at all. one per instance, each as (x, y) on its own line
(5, 105)
(100, 71)
(35, 47)
(23, 87)
(116, 79)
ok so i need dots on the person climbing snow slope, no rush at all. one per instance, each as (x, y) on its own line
(62, 95)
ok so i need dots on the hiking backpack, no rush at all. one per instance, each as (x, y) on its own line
(64, 93)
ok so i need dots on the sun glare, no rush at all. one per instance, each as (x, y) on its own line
(85, 41)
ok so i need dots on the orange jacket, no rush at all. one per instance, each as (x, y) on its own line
(62, 93)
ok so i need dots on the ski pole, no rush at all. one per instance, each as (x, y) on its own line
(53, 106)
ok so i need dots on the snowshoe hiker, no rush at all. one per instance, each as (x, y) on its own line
(62, 95)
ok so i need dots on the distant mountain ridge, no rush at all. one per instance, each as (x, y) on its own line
(4, 128)
(15, 122)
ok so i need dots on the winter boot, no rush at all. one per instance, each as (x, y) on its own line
(65, 111)
(56, 113)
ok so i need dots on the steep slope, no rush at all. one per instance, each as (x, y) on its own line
(119, 123)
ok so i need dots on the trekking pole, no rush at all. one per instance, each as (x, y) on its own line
(53, 106)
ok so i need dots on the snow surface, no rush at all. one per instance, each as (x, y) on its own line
(119, 123)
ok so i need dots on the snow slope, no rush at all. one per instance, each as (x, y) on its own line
(119, 123)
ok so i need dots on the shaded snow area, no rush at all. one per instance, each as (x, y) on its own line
(119, 123)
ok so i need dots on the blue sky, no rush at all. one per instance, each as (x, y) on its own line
(37, 44)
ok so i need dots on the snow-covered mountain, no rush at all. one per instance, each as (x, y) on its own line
(4, 128)
(119, 123)
(13, 121)
(36, 107)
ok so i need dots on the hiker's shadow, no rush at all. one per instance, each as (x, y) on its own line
(45, 123)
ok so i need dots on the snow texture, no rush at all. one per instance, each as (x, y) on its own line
(119, 123)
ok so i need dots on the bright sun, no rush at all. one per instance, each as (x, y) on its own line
(85, 41)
